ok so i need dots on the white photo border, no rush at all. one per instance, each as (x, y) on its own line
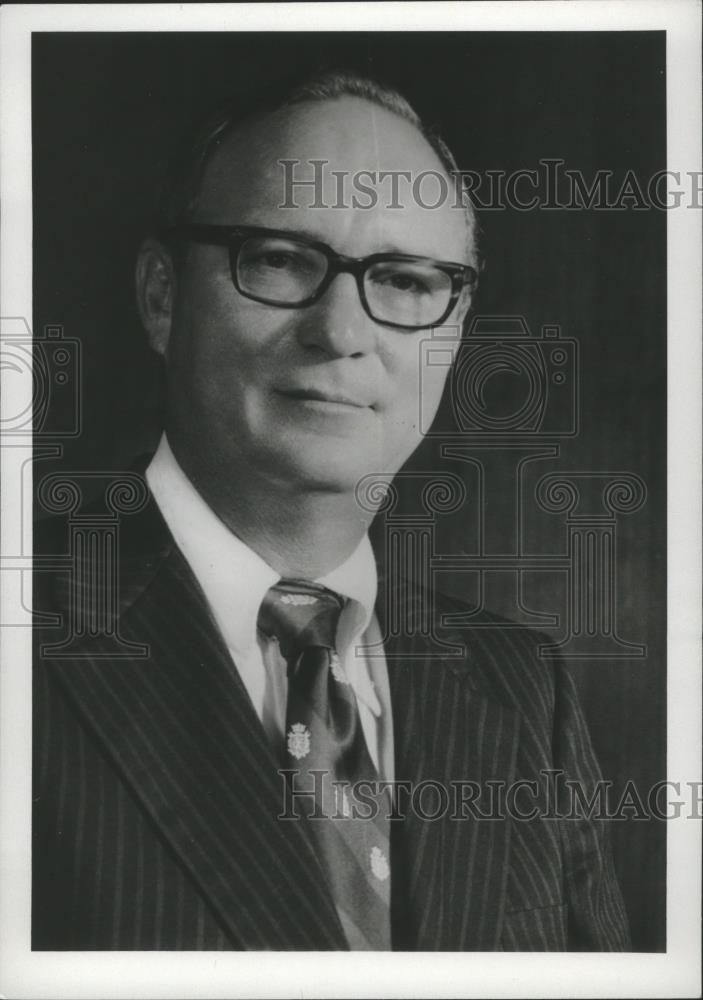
(24, 973)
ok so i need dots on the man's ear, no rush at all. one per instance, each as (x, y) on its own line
(155, 282)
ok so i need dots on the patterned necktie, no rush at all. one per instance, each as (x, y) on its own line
(324, 734)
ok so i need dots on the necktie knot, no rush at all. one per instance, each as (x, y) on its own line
(300, 615)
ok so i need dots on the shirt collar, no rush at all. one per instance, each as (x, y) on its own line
(233, 577)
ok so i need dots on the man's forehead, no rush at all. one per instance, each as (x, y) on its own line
(359, 156)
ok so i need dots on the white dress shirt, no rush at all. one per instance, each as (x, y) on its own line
(235, 580)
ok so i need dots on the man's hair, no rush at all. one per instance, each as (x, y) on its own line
(178, 198)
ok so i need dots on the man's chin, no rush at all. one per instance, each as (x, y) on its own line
(338, 470)
(330, 479)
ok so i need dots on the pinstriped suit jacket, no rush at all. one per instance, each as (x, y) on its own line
(156, 793)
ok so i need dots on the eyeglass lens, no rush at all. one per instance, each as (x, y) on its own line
(287, 272)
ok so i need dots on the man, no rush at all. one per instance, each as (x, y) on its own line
(208, 793)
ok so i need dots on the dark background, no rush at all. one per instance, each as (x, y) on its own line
(107, 108)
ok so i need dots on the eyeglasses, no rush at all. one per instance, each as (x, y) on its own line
(285, 269)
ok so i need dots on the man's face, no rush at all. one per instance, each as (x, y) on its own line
(307, 399)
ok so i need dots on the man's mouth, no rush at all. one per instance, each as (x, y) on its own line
(332, 396)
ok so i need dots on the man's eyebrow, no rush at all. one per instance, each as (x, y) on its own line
(310, 233)
(303, 231)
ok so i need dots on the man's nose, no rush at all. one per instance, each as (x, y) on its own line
(337, 323)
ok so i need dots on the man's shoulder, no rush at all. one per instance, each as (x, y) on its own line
(94, 550)
(511, 661)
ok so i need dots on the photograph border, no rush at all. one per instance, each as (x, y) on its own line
(160, 974)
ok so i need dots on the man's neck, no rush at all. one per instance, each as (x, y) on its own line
(300, 534)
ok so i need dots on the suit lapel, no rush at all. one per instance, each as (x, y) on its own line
(449, 873)
(181, 729)
(179, 726)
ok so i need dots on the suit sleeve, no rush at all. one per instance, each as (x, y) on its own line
(597, 920)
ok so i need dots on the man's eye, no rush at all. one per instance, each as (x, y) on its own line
(283, 261)
(403, 282)
(277, 260)
(407, 283)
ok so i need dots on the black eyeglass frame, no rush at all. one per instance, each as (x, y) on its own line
(232, 237)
